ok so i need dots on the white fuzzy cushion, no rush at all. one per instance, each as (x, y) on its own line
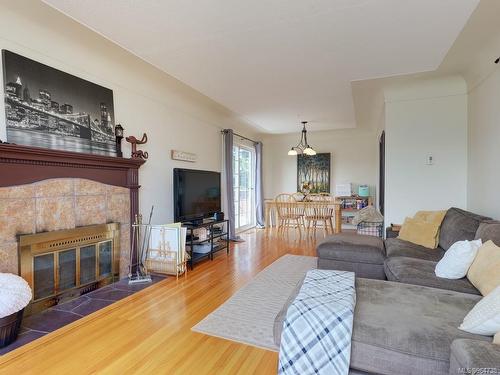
(484, 318)
(15, 294)
(457, 259)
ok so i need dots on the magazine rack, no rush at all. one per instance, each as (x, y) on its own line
(166, 253)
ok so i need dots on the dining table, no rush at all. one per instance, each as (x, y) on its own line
(271, 212)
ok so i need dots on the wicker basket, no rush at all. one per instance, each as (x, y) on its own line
(9, 327)
(371, 229)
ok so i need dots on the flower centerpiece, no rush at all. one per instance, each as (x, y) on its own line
(306, 189)
(15, 295)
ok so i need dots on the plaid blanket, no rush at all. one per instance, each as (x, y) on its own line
(316, 337)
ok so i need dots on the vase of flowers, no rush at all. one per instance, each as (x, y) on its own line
(306, 189)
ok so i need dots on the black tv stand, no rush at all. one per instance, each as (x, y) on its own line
(194, 222)
(217, 239)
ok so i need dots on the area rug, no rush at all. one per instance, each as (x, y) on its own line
(248, 316)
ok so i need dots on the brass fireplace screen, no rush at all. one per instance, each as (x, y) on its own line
(64, 264)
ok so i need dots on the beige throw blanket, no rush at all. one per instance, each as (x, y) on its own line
(368, 214)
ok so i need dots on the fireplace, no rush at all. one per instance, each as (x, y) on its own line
(64, 264)
(49, 196)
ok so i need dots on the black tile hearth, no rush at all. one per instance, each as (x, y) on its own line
(38, 325)
(110, 294)
(50, 320)
(90, 306)
(68, 306)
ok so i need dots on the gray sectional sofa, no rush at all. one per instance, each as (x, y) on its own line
(409, 324)
(408, 329)
(405, 262)
(412, 264)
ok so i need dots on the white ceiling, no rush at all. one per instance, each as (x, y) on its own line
(276, 62)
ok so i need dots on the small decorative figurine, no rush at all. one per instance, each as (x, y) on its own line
(138, 154)
(119, 137)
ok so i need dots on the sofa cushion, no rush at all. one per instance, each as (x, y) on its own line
(420, 232)
(421, 272)
(457, 259)
(459, 225)
(467, 355)
(366, 270)
(489, 231)
(484, 272)
(397, 247)
(484, 318)
(355, 248)
(399, 328)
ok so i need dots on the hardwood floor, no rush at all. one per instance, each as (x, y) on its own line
(150, 331)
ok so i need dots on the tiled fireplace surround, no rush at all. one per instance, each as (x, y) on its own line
(44, 190)
(60, 203)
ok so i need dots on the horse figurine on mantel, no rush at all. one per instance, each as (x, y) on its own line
(138, 154)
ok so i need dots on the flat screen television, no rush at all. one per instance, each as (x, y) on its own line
(196, 194)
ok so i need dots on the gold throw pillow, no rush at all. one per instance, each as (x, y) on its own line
(484, 272)
(435, 217)
(420, 232)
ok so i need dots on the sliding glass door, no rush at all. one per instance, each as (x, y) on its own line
(244, 186)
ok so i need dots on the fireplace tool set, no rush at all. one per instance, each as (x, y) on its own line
(141, 234)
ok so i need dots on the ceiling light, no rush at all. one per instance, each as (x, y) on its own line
(309, 151)
(303, 147)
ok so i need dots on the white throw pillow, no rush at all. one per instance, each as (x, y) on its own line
(484, 318)
(457, 259)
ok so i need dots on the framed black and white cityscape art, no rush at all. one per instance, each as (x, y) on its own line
(48, 108)
(314, 170)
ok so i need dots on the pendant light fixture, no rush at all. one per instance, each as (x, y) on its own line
(303, 147)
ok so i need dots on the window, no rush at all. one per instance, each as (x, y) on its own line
(244, 186)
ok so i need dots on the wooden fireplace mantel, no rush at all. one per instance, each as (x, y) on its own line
(21, 165)
(24, 164)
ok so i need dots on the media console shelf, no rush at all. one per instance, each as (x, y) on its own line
(213, 238)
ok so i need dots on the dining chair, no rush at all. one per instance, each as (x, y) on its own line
(320, 211)
(290, 214)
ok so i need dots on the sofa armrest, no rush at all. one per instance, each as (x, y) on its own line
(474, 357)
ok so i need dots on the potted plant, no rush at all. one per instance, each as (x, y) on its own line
(15, 295)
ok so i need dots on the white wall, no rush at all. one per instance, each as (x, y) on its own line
(145, 99)
(484, 147)
(483, 79)
(354, 159)
(428, 117)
